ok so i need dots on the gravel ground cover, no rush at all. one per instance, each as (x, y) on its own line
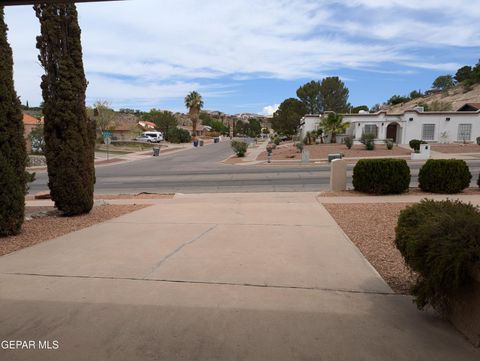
(321, 151)
(136, 196)
(372, 228)
(48, 227)
(456, 148)
(412, 191)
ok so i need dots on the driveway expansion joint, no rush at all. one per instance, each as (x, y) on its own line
(212, 283)
(229, 224)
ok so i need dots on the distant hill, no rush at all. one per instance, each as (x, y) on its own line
(456, 96)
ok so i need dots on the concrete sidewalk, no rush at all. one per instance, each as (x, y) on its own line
(214, 277)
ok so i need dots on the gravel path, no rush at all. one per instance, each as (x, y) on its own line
(42, 229)
(372, 228)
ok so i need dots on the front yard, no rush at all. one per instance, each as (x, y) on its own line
(456, 148)
(321, 151)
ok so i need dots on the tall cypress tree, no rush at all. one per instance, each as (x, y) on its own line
(69, 134)
(13, 154)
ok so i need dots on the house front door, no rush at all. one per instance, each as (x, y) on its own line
(392, 132)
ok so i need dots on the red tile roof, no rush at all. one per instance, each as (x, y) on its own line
(29, 120)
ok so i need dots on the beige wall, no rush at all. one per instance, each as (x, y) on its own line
(27, 130)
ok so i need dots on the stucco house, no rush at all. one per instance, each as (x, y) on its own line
(459, 126)
(309, 122)
(436, 127)
(201, 129)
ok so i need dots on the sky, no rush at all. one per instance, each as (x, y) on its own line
(248, 55)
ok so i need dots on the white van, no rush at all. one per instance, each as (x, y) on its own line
(155, 136)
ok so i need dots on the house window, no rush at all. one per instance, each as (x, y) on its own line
(464, 132)
(371, 129)
(428, 132)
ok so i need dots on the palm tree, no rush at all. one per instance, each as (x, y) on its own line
(194, 104)
(333, 124)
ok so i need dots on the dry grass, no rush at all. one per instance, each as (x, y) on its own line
(42, 229)
(372, 228)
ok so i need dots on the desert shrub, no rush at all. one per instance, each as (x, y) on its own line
(240, 148)
(478, 140)
(348, 141)
(381, 176)
(299, 146)
(389, 144)
(415, 144)
(444, 176)
(309, 138)
(276, 140)
(441, 242)
(179, 135)
(368, 139)
(37, 140)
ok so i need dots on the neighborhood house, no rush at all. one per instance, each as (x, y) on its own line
(29, 123)
(461, 126)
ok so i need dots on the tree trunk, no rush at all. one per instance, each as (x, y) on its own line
(333, 138)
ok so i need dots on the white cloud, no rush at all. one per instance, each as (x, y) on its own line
(157, 50)
(270, 109)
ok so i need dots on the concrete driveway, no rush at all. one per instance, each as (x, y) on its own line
(214, 277)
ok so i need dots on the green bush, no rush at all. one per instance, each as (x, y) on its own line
(179, 135)
(69, 133)
(381, 176)
(368, 139)
(309, 138)
(444, 176)
(13, 156)
(415, 144)
(441, 242)
(348, 141)
(240, 148)
(478, 140)
(276, 140)
(389, 144)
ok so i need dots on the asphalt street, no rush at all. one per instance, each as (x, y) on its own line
(199, 170)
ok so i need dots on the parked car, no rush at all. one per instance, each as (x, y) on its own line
(144, 139)
(155, 136)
